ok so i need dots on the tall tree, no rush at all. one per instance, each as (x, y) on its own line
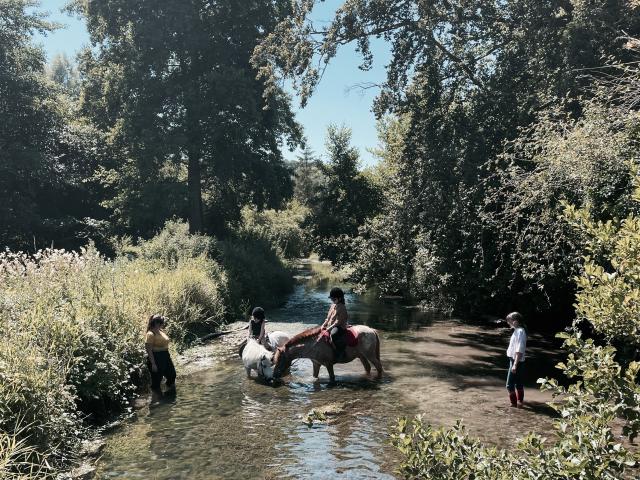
(469, 76)
(348, 198)
(63, 72)
(172, 85)
(308, 178)
(44, 159)
(28, 117)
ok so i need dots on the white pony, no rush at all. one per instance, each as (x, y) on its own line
(256, 357)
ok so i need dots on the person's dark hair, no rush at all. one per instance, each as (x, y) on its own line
(517, 317)
(337, 293)
(154, 320)
(258, 313)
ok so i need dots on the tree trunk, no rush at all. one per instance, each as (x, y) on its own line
(194, 141)
(194, 184)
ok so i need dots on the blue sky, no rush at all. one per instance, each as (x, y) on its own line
(331, 103)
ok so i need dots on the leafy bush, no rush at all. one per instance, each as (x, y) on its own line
(72, 326)
(604, 379)
(609, 295)
(174, 243)
(257, 275)
(282, 228)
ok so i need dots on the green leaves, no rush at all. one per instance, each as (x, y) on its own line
(172, 88)
(609, 295)
(603, 386)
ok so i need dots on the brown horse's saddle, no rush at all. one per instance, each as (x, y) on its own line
(351, 337)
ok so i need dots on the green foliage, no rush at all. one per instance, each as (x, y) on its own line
(347, 200)
(586, 449)
(72, 327)
(172, 88)
(281, 228)
(63, 72)
(309, 182)
(257, 275)
(45, 156)
(174, 244)
(603, 386)
(602, 391)
(474, 51)
(446, 453)
(584, 162)
(609, 288)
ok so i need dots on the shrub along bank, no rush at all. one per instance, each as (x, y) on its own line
(72, 324)
(604, 376)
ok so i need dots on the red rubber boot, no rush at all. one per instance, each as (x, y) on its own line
(520, 397)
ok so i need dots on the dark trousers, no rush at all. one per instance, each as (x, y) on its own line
(338, 337)
(514, 380)
(165, 369)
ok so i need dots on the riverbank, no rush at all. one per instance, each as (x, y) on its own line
(73, 323)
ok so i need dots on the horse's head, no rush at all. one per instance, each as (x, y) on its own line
(265, 367)
(281, 362)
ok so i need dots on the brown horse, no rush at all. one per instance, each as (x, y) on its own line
(308, 344)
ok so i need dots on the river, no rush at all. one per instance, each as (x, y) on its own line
(222, 425)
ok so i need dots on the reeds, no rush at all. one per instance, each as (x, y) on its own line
(72, 328)
(71, 339)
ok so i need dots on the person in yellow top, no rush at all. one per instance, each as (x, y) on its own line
(336, 321)
(159, 360)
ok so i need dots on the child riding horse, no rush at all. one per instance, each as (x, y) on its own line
(336, 322)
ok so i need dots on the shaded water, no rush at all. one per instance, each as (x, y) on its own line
(223, 425)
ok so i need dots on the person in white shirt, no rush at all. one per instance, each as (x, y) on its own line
(516, 353)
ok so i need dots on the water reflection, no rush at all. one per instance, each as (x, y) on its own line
(309, 303)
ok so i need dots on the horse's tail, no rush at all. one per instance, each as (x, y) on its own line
(241, 347)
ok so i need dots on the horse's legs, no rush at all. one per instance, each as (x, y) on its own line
(316, 369)
(332, 376)
(365, 363)
(375, 356)
(375, 359)
(378, 364)
(248, 372)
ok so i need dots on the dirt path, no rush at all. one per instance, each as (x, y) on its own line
(452, 371)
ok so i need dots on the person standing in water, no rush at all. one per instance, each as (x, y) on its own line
(158, 360)
(336, 321)
(516, 354)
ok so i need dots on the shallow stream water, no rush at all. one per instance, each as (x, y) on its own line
(222, 425)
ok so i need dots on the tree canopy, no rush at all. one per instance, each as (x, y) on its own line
(172, 87)
(467, 78)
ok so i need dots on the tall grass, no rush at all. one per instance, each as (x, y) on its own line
(19, 460)
(71, 337)
(72, 326)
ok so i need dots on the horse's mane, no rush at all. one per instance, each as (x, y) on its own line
(303, 336)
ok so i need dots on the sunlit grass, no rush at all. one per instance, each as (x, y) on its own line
(71, 330)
